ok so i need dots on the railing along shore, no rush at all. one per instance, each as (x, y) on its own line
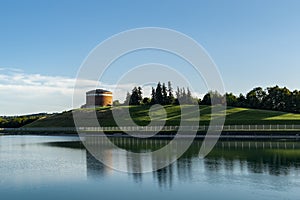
(233, 128)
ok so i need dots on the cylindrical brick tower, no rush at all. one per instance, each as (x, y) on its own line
(99, 97)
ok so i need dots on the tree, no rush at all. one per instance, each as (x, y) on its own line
(146, 101)
(170, 93)
(189, 98)
(164, 94)
(158, 94)
(278, 99)
(272, 98)
(213, 97)
(153, 96)
(116, 103)
(178, 93)
(206, 99)
(231, 100)
(127, 99)
(183, 96)
(255, 97)
(134, 100)
(19, 121)
(241, 101)
(140, 96)
(295, 101)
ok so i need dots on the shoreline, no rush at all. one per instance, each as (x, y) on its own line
(200, 135)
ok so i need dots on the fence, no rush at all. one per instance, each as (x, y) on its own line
(278, 127)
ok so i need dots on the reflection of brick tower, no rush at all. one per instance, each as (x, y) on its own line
(98, 97)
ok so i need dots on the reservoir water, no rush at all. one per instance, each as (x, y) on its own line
(56, 167)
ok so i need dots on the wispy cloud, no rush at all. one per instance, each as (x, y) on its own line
(10, 69)
(30, 93)
(23, 93)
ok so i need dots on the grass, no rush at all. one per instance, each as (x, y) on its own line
(140, 115)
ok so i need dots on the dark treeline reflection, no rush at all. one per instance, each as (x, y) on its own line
(228, 157)
(275, 158)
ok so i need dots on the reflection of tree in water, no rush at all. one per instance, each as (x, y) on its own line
(184, 168)
(95, 168)
(137, 177)
(135, 164)
(243, 157)
(256, 159)
(276, 162)
(164, 176)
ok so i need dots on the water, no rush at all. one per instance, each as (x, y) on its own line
(36, 167)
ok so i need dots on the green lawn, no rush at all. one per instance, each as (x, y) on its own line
(140, 114)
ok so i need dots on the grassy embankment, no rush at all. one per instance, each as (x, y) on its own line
(140, 114)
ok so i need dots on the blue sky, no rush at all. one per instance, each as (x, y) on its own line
(253, 43)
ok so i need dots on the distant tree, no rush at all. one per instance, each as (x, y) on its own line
(189, 98)
(278, 99)
(295, 101)
(164, 94)
(158, 94)
(272, 98)
(153, 96)
(241, 101)
(255, 97)
(178, 93)
(206, 99)
(116, 103)
(19, 121)
(286, 96)
(213, 97)
(140, 95)
(127, 99)
(146, 101)
(199, 101)
(183, 96)
(134, 100)
(231, 100)
(170, 93)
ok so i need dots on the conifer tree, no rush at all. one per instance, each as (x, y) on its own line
(158, 94)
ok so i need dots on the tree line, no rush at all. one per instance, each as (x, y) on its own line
(271, 98)
(19, 121)
(163, 94)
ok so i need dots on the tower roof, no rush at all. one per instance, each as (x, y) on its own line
(98, 91)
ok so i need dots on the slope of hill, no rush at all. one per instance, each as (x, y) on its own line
(19, 121)
(140, 114)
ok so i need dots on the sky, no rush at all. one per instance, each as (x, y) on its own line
(44, 43)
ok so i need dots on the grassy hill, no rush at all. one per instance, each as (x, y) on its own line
(19, 121)
(140, 114)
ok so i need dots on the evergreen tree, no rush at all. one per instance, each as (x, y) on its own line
(164, 94)
(158, 94)
(183, 96)
(272, 98)
(140, 96)
(153, 96)
(134, 100)
(170, 93)
(189, 98)
(127, 99)
(178, 95)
